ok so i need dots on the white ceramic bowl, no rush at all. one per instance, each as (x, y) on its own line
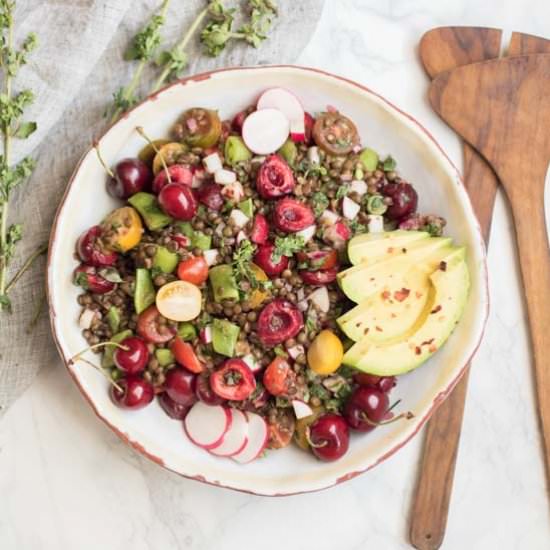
(383, 127)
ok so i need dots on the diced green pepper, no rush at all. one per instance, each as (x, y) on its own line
(236, 151)
(113, 318)
(369, 159)
(165, 357)
(202, 241)
(164, 260)
(144, 293)
(107, 359)
(289, 151)
(247, 208)
(224, 337)
(147, 205)
(187, 331)
(223, 283)
(186, 228)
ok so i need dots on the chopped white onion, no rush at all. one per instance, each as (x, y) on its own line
(358, 186)
(212, 163)
(375, 223)
(328, 217)
(198, 177)
(241, 236)
(350, 208)
(225, 177)
(219, 229)
(300, 294)
(86, 318)
(233, 191)
(307, 233)
(320, 298)
(302, 305)
(301, 409)
(211, 256)
(295, 351)
(313, 155)
(240, 219)
(250, 360)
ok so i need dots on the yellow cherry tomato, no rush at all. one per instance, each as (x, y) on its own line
(179, 301)
(122, 229)
(171, 153)
(147, 154)
(257, 296)
(325, 354)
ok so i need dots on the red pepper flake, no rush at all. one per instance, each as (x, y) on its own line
(418, 294)
(390, 249)
(417, 350)
(436, 309)
(378, 329)
(393, 315)
(386, 294)
(443, 266)
(432, 349)
(402, 294)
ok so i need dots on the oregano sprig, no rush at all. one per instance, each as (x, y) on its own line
(12, 107)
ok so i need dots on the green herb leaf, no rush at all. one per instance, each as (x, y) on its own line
(25, 130)
(320, 203)
(286, 246)
(242, 263)
(280, 351)
(389, 164)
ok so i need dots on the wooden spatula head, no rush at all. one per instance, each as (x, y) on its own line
(445, 48)
(502, 108)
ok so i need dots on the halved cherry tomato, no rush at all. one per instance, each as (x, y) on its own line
(199, 127)
(185, 355)
(281, 429)
(147, 154)
(88, 278)
(122, 229)
(194, 270)
(179, 300)
(91, 248)
(318, 259)
(335, 133)
(258, 296)
(149, 328)
(319, 278)
(233, 381)
(325, 354)
(279, 377)
(170, 153)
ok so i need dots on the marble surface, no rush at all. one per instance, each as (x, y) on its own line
(67, 482)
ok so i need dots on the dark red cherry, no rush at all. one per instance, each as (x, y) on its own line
(178, 201)
(172, 408)
(329, 437)
(133, 356)
(135, 393)
(180, 386)
(130, 176)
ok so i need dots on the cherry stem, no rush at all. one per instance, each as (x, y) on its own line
(103, 372)
(141, 132)
(102, 161)
(407, 415)
(323, 443)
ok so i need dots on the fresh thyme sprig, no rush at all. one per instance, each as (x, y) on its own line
(12, 107)
(143, 49)
(287, 246)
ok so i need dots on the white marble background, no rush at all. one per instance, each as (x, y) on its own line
(67, 482)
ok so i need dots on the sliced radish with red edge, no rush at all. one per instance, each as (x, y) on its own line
(265, 131)
(236, 437)
(206, 425)
(258, 435)
(290, 106)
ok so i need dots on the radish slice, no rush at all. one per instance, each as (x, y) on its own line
(206, 425)
(313, 155)
(265, 131)
(307, 233)
(301, 409)
(288, 104)
(205, 334)
(254, 365)
(258, 435)
(350, 208)
(320, 298)
(236, 437)
(328, 217)
(212, 163)
(211, 256)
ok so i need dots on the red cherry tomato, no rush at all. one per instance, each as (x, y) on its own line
(179, 173)
(194, 270)
(264, 259)
(88, 278)
(275, 178)
(319, 278)
(279, 377)
(318, 259)
(233, 381)
(185, 355)
(279, 321)
(92, 251)
(291, 215)
(151, 330)
(260, 229)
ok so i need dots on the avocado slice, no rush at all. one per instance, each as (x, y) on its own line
(392, 311)
(147, 205)
(198, 238)
(144, 293)
(165, 357)
(247, 208)
(223, 283)
(107, 359)
(449, 291)
(360, 281)
(113, 318)
(224, 337)
(373, 246)
(164, 260)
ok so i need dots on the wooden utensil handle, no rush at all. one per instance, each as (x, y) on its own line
(534, 256)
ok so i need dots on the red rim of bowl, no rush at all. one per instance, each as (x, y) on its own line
(440, 397)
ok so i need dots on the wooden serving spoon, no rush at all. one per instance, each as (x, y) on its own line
(443, 49)
(502, 108)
